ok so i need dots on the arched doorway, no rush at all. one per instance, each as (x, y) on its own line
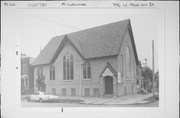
(108, 85)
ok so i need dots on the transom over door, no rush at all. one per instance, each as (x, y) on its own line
(108, 85)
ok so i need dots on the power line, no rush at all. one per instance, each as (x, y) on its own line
(41, 18)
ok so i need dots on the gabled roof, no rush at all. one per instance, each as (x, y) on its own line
(91, 43)
(110, 68)
(48, 52)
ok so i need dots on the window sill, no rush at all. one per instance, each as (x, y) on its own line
(87, 79)
(68, 80)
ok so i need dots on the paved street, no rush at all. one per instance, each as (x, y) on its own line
(125, 101)
(151, 104)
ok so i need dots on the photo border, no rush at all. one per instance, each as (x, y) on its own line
(160, 109)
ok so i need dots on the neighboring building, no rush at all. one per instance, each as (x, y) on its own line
(147, 85)
(147, 80)
(100, 61)
(27, 75)
(156, 81)
(139, 78)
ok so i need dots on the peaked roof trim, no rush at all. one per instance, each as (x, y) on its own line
(62, 44)
(133, 43)
(79, 43)
(45, 56)
(110, 68)
(123, 38)
(129, 29)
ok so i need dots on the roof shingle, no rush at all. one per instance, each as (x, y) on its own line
(49, 50)
(95, 42)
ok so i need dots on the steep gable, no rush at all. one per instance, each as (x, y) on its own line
(100, 41)
(133, 43)
(48, 52)
(91, 43)
(62, 44)
(108, 70)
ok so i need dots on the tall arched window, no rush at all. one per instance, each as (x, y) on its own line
(68, 68)
(40, 80)
(52, 72)
(86, 70)
(64, 68)
(122, 66)
(71, 73)
(128, 69)
(40, 72)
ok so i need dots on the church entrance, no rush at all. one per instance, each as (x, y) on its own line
(108, 85)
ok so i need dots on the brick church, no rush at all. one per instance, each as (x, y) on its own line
(100, 61)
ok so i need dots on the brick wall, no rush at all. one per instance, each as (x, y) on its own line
(127, 84)
(80, 85)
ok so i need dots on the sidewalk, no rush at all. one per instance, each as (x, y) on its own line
(131, 99)
(123, 100)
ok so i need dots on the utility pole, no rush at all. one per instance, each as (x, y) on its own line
(153, 66)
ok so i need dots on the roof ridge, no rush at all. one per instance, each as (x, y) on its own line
(123, 35)
(95, 42)
(98, 26)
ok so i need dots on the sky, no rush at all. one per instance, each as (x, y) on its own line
(36, 27)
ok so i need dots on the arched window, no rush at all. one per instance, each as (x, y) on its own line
(122, 66)
(68, 68)
(64, 68)
(86, 70)
(52, 72)
(71, 73)
(40, 72)
(128, 62)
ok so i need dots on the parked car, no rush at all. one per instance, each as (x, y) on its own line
(41, 96)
